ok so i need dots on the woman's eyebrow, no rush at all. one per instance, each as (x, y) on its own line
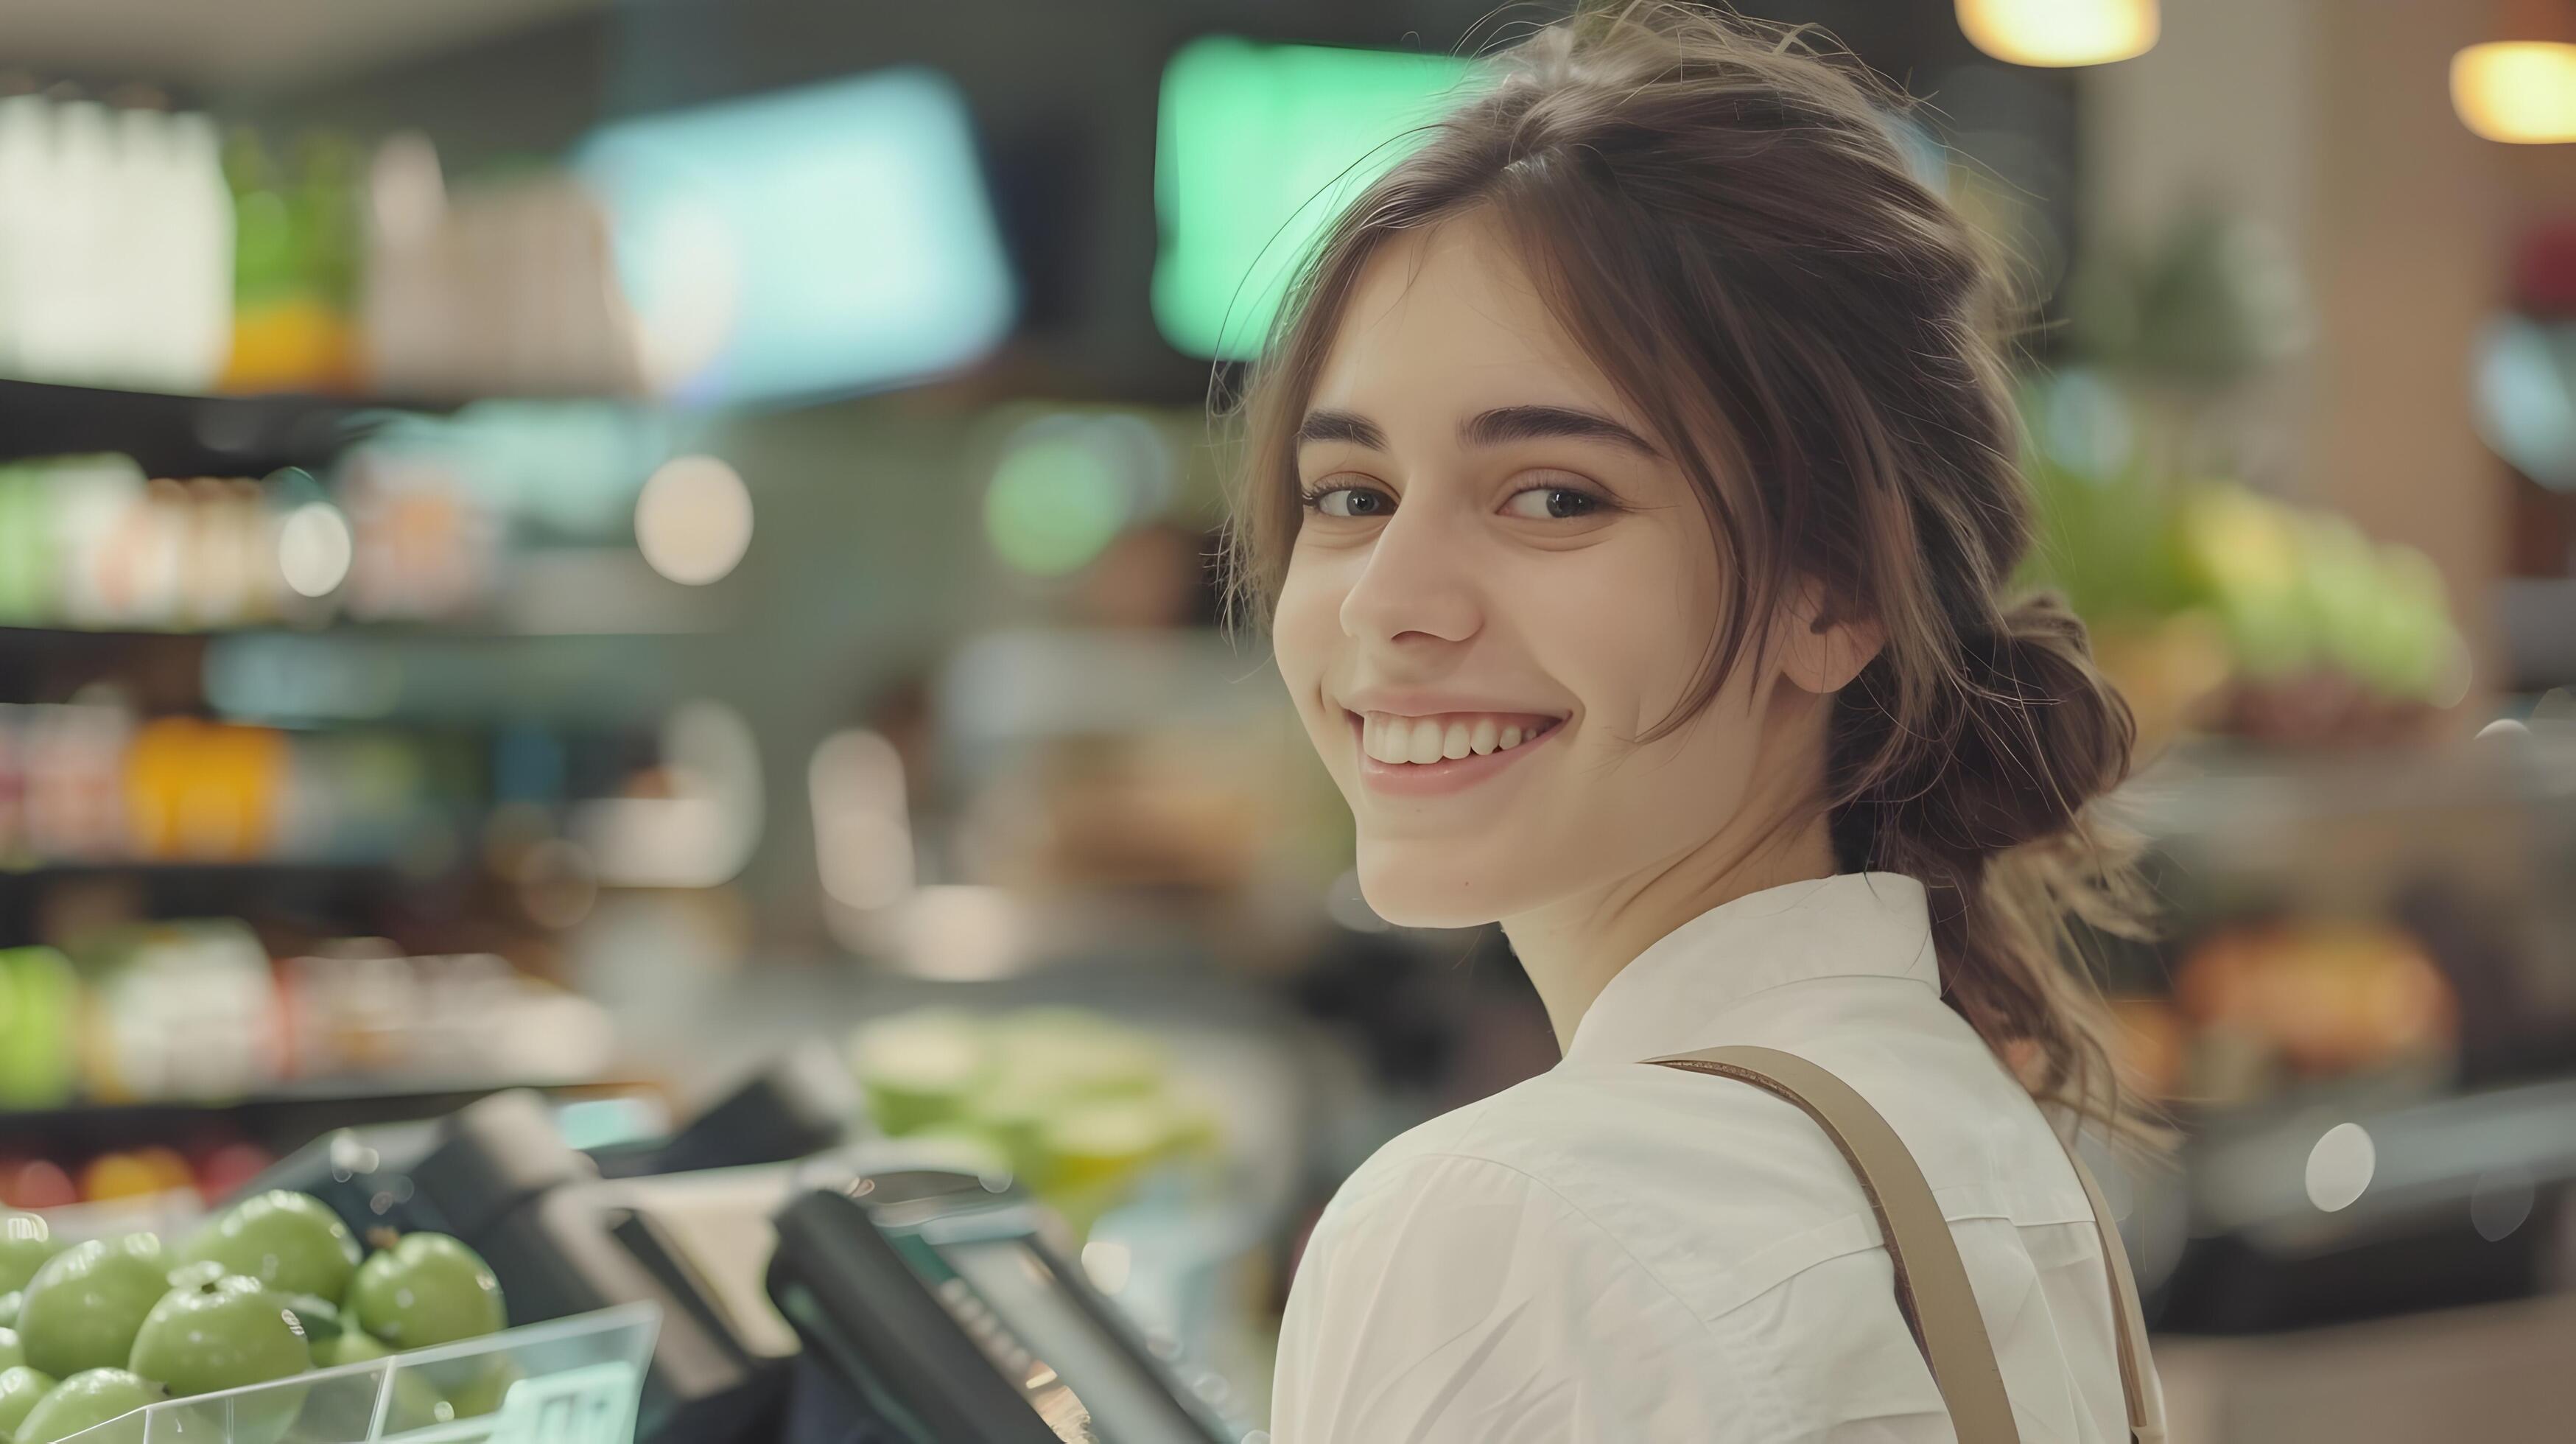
(1535, 423)
(1500, 426)
(1347, 426)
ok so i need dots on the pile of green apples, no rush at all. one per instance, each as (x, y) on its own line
(269, 1288)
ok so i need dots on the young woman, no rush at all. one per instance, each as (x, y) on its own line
(1632, 502)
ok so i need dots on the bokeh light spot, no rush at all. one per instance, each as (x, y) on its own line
(693, 519)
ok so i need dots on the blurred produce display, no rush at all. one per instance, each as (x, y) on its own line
(199, 1010)
(273, 1287)
(1075, 1105)
(153, 1180)
(2214, 605)
(90, 542)
(2259, 1007)
(89, 782)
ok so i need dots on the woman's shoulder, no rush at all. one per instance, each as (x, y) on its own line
(1686, 1178)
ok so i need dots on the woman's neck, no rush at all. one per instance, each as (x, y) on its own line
(1572, 947)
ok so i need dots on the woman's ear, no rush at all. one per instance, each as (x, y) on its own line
(1820, 648)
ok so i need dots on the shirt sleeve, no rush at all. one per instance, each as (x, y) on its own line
(1456, 1300)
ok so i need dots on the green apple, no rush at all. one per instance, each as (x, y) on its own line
(220, 1335)
(20, 1389)
(223, 1335)
(427, 1289)
(197, 1275)
(26, 1241)
(85, 1401)
(84, 1306)
(289, 1241)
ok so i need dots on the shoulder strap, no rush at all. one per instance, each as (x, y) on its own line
(1932, 1289)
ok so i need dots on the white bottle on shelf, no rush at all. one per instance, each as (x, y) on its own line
(200, 323)
(26, 200)
(135, 253)
(77, 336)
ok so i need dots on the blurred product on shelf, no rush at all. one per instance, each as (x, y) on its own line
(424, 546)
(2309, 998)
(39, 1020)
(197, 1010)
(363, 1009)
(85, 1194)
(173, 261)
(295, 265)
(89, 542)
(510, 288)
(1075, 1105)
(90, 783)
(177, 1010)
(116, 246)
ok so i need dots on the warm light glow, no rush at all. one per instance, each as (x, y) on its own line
(862, 825)
(313, 549)
(2340, 1166)
(2060, 32)
(693, 519)
(2523, 91)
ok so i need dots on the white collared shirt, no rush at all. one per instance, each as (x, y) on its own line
(1616, 1252)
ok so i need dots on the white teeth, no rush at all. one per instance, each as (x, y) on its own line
(1386, 737)
(1453, 743)
(1425, 744)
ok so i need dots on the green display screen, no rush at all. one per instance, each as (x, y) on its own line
(1260, 146)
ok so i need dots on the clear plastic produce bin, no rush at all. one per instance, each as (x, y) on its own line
(566, 1381)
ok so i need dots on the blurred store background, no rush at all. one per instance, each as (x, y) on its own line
(595, 547)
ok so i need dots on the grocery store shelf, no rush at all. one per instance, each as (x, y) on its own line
(246, 867)
(2216, 787)
(184, 435)
(296, 1111)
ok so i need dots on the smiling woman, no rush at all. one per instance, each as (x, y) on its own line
(1630, 496)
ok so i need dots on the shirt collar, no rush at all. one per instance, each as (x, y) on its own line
(1854, 924)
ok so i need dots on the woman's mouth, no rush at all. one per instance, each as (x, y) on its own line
(1458, 749)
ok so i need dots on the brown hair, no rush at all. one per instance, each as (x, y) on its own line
(1723, 217)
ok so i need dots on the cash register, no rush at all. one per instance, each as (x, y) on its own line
(867, 1290)
(933, 1305)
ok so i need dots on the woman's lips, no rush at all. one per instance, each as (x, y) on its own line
(1432, 779)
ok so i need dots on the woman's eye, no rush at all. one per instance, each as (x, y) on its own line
(1348, 501)
(1552, 503)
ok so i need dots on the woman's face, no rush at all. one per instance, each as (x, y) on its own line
(1495, 547)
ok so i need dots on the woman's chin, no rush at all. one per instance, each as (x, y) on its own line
(1410, 895)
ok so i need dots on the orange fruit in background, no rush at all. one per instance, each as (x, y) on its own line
(119, 1175)
(168, 1165)
(297, 344)
(2329, 995)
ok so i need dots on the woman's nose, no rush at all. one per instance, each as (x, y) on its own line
(1418, 578)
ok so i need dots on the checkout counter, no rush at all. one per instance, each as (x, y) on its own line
(816, 1283)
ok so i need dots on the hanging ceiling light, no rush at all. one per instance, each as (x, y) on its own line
(2060, 32)
(2521, 87)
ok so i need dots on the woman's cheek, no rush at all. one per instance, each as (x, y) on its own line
(1301, 633)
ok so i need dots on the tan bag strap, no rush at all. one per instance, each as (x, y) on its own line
(1932, 1288)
